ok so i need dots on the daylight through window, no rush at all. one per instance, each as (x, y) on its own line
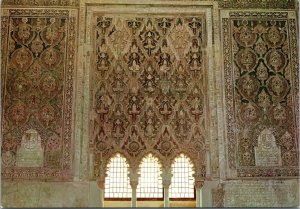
(182, 184)
(117, 181)
(150, 182)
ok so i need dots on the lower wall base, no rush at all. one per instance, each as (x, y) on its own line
(237, 193)
(262, 193)
(49, 194)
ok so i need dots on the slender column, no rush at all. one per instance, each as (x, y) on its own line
(133, 197)
(101, 182)
(166, 180)
(134, 181)
(101, 192)
(166, 196)
(198, 187)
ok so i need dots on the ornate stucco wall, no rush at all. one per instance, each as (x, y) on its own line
(81, 81)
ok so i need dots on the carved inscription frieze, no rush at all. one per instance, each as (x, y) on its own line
(266, 4)
(37, 3)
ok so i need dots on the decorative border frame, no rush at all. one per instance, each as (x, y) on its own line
(37, 3)
(267, 4)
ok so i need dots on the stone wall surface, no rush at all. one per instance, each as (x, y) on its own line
(262, 193)
(82, 80)
(49, 194)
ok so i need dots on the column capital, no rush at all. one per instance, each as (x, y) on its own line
(101, 184)
(133, 177)
(134, 184)
(200, 173)
(166, 176)
(101, 180)
(199, 184)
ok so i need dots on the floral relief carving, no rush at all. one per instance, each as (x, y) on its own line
(149, 37)
(118, 38)
(180, 39)
(166, 144)
(104, 58)
(261, 86)
(38, 97)
(134, 144)
(148, 84)
(22, 58)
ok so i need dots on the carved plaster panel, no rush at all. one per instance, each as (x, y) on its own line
(39, 46)
(261, 91)
(148, 87)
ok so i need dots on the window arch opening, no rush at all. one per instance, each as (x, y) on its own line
(182, 182)
(117, 184)
(150, 181)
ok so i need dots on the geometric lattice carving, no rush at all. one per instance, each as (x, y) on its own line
(148, 86)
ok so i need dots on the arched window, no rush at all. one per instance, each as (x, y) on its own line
(150, 182)
(117, 181)
(182, 183)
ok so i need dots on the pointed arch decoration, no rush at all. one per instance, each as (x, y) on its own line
(150, 181)
(182, 182)
(117, 181)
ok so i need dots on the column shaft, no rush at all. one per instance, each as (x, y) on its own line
(166, 197)
(133, 197)
(101, 194)
(198, 187)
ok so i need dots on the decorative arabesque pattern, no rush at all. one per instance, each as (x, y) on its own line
(37, 3)
(148, 88)
(37, 89)
(261, 92)
(266, 4)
